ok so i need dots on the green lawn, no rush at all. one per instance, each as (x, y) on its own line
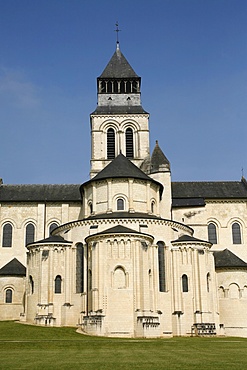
(32, 347)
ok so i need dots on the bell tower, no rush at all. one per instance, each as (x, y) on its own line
(119, 123)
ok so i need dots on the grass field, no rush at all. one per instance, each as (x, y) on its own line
(31, 347)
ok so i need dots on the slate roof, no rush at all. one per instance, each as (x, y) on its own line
(209, 190)
(227, 259)
(188, 202)
(118, 67)
(188, 238)
(121, 167)
(13, 268)
(115, 109)
(123, 215)
(158, 160)
(51, 239)
(118, 230)
(37, 193)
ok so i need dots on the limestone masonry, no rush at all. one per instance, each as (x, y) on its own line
(129, 253)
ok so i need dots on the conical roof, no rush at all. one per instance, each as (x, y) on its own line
(118, 67)
(121, 167)
(159, 162)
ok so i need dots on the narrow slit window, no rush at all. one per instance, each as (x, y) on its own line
(185, 286)
(161, 260)
(58, 284)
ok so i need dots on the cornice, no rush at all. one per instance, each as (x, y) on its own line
(125, 221)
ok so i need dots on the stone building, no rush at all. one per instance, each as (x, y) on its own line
(129, 252)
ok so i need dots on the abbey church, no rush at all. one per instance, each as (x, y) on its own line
(128, 253)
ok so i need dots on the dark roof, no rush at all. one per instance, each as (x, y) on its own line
(118, 67)
(121, 167)
(13, 268)
(159, 162)
(119, 109)
(188, 202)
(55, 239)
(209, 190)
(188, 238)
(119, 230)
(123, 215)
(36, 193)
(228, 259)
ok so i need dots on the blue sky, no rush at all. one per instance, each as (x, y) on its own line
(191, 55)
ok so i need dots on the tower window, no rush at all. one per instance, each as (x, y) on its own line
(212, 234)
(8, 296)
(110, 143)
(185, 286)
(120, 204)
(29, 234)
(52, 227)
(236, 233)
(58, 284)
(129, 143)
(7, 235)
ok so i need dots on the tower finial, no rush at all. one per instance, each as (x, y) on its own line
(117, 30)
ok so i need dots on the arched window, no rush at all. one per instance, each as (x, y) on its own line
(161, 260)
(29, 234)
(110, 143)
(90, 204)
(119, 278)
(58, 284)
(152, 206)
(234, 291)
(79, 268)
(52, 227)
(120, 204)
(185, 286)
(212, 233)
(129, 143)
(236, 233)
(7, 235)
(8, 296)
(208, 281)
(31, 284)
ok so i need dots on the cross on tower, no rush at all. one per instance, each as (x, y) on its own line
(117, 30)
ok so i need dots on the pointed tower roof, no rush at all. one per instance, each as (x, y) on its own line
(159, 162)
(121, 167)
(118, 67)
